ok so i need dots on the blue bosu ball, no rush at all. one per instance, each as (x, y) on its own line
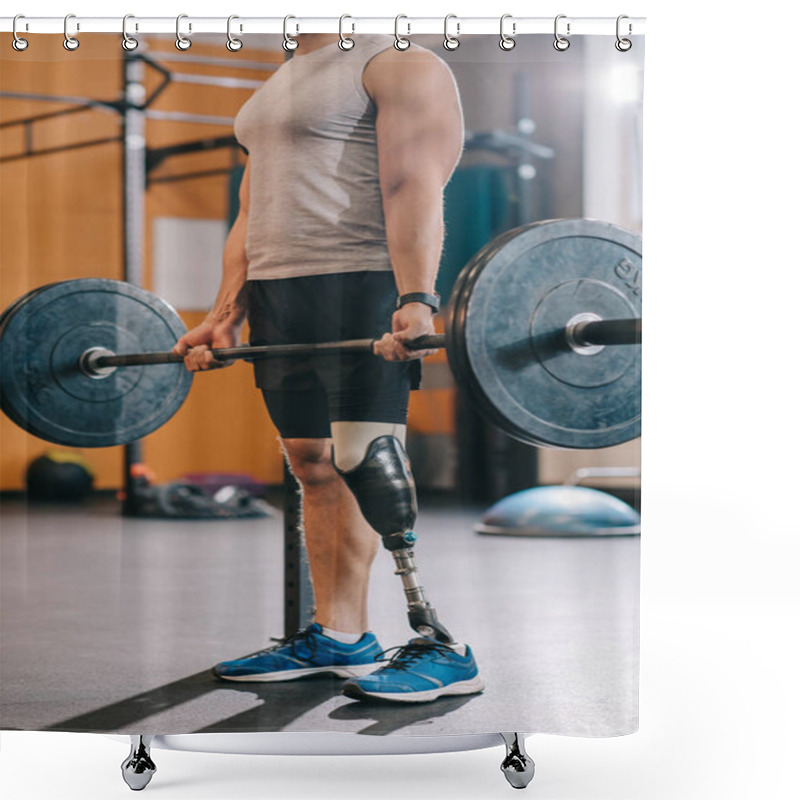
(560, 511)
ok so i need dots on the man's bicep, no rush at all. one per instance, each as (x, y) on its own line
(419, 121)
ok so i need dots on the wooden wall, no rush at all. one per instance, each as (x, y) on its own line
(61, 218)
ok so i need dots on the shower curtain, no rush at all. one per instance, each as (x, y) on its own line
(127, 165)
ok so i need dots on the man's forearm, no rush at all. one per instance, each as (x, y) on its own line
(413, 213)
(229, 307)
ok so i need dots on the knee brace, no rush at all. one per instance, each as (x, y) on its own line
(384, 490)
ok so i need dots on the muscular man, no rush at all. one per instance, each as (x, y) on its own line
(341, 217)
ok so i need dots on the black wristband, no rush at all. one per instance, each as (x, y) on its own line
(432, 300)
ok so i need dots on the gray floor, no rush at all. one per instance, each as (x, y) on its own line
(111, 625)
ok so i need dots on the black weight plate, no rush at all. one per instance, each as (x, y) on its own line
(10, 309)
(506, 339)
(7, 312)
(42, 387)
(455, 344)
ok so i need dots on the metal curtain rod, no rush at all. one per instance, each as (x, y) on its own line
(191, 25)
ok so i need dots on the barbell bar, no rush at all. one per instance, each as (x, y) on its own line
(578, 335)
(534, 333)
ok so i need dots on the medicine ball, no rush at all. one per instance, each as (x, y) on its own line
(59, 476)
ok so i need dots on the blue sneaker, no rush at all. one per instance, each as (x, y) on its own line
(418, 672)
(307, 652)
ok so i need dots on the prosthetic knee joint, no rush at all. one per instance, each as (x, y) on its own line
(384, 490)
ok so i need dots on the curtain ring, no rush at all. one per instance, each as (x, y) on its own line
(289, 44)
(345, 42)
(233, 44)
(507, 42)
(561, 43)
(623, 45)
(181, 42)
(129, 43)
(18, 44)
(451, 42)
(401, 42)
(70, 42)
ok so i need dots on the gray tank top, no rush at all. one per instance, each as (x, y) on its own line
(315, 200)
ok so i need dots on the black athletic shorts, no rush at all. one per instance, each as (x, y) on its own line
(305, 394)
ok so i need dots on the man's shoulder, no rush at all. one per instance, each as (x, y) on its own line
(415, 54)
(415, 66)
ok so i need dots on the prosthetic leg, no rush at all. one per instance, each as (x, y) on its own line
(384, 490)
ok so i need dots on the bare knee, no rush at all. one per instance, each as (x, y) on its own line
(311, 463)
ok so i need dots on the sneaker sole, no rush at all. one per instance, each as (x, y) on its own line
(472, 686)
(356, 671)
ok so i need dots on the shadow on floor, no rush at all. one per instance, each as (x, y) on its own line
(390, 717)
(279, 705)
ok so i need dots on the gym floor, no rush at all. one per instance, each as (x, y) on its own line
(112, 625)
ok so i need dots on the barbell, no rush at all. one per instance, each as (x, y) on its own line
(538, 332)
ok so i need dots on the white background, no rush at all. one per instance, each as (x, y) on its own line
(719, 695)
